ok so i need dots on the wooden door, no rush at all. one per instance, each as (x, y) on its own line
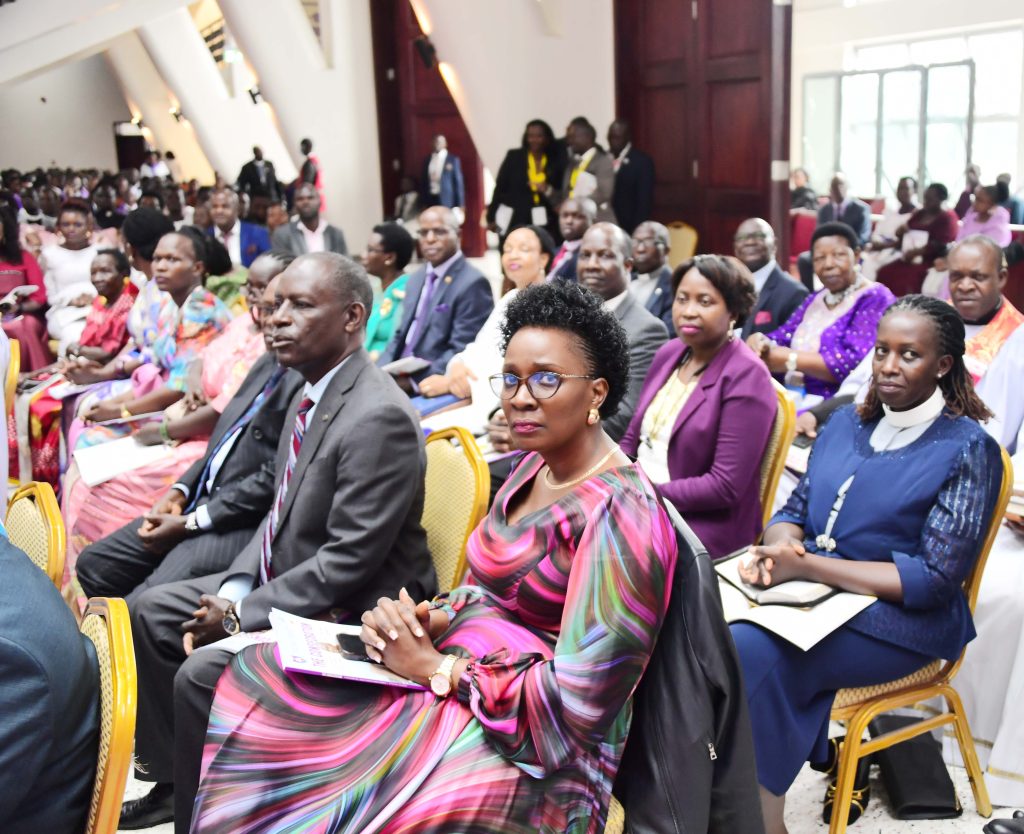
(705, 85)
(413, 105)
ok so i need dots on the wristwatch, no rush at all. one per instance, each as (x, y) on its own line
(441, 680)
(791, 361)
(192, 522)
(230, 622)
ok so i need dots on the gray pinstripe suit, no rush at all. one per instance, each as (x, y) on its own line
(119, 565)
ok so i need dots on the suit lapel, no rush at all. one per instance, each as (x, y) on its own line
(412, 299)
(239, 404)
(699, 394)
(662, 288)
(660, 376)
(330, 404)
(446, 281)
(300, 239)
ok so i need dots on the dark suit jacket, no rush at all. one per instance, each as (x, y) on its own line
(779, 297)
(253, 241)
(512, 188)
(718, 440)
(349, 531)
(691, 696)
(462, 302)
(634, 189)
(289, 238)
(244, 487)
(856, 215)
(49, 704)
(646, 334)
(249, 180)
(453, 189)
(659, 303)
(567, 269)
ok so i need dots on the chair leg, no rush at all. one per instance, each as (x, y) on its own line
(968, 752)
(849, 755)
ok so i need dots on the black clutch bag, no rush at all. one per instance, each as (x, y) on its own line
(914, 774)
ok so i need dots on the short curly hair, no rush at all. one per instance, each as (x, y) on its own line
(725, 275)
(563, 305)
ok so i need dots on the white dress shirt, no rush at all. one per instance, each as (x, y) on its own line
(314, 239)
(761, 276)
(435, 169)
(233, 243)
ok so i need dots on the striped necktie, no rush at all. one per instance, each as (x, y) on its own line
(238, 425)
(266, 571)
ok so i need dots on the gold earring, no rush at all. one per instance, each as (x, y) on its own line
(593, 416)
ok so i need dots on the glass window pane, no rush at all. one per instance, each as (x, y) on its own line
(946, 154)
(859, 129)
(938, 51)
(883, 57)
(949, 92)
(997, 59)
(901, 126)
(995, 148)
(819, 136)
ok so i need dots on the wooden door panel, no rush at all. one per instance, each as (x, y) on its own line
(734, 27)
(735, 139)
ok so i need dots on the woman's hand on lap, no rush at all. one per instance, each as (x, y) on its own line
(395, 634)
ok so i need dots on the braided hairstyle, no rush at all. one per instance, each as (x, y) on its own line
(957, 386)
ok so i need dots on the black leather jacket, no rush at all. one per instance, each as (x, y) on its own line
(688, 766)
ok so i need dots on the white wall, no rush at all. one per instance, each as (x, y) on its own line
(522, 59)
(825, 31)
(73, 127)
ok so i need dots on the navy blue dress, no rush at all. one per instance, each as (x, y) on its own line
(925, 508)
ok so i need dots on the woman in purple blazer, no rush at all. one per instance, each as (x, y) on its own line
(706, 408)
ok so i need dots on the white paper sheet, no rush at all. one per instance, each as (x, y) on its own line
(311, 647)
(503, 217)
(803, 627)
(98, 464)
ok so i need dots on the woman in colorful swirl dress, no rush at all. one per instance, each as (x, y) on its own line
(530, 671)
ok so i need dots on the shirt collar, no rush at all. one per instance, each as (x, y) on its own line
(441, 269)
(613, 304)
(319, 227)
(315, 391)
(761, 275)
(586, 157)
(624, 151)
(234, 230)
(923, 413)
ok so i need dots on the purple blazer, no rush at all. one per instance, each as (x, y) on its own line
(718, 440)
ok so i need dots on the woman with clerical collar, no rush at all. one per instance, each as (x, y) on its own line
(895, 503)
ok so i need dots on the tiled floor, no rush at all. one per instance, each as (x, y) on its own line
(803, 815)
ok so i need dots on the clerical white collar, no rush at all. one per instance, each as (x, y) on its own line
(926, 412)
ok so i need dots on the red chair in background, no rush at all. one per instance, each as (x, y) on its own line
(801, 227)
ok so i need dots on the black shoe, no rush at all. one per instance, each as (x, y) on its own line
(154, 808)
(1006, 826)
(860, 797)
(831, 763)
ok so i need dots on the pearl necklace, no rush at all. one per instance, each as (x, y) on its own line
(833, 299)
(581, 478)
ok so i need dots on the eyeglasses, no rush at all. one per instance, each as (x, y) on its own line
(750, 236)
(542, 385)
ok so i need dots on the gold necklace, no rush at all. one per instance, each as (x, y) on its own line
(581, 478)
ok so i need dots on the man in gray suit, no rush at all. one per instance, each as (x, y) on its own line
(605, 267)
(309, 232)
(344, 529)
(591, 170)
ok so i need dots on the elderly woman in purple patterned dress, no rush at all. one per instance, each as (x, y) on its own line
(829, 334)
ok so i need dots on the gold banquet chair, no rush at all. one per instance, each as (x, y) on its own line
(774, 460)
(455, 499)
(682, 239)
(107, 624)
(11, 382)
(34, 524)
(858, 707)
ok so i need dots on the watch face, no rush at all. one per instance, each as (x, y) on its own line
(440, 685)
